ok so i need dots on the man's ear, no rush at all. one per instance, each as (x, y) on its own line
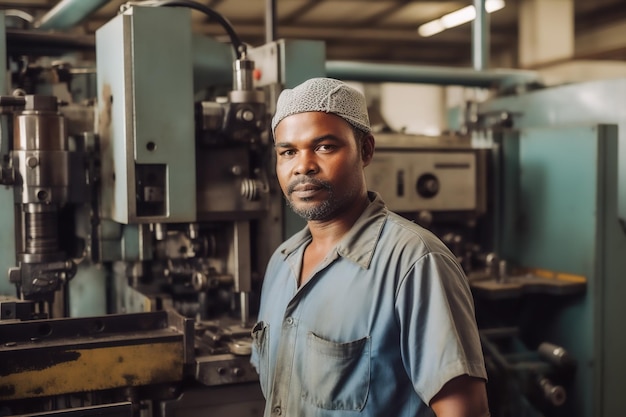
(367, 149)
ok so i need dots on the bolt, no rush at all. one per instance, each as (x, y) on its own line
(236, 170)
(248, 115)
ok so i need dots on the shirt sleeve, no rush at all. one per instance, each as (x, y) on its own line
(439, 336)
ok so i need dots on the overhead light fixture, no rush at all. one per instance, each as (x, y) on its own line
(456, 18)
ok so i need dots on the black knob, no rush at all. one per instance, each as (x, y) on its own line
(427, 185)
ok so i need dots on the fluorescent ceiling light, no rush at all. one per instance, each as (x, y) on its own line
(464, 15)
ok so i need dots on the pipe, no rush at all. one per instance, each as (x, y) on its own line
(374, 72)
(68, 13)
(480, 36)
(270, 21)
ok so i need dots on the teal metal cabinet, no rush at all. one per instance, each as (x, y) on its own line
(560, 213)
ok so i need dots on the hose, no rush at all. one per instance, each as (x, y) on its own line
(238, 45)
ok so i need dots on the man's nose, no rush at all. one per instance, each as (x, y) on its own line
(306, 164)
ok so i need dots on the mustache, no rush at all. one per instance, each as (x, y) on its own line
(307, 180)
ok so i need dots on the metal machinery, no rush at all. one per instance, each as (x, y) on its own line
(136, 230)
(561, 218)
(530, 199)
(439, 182)
(136, 226)
(449, 185)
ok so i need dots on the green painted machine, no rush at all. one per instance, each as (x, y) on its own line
(560, 198)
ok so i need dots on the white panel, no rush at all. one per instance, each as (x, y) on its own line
(539, 42)
(413, 108)
(395, 175)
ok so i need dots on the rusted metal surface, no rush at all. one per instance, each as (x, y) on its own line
(45, 358)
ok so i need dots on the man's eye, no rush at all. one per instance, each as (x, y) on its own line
(326, 148)
(287, 152)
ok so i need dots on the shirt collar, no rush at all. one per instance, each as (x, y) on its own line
(359, 243)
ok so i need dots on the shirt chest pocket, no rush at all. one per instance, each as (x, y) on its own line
(336, 376)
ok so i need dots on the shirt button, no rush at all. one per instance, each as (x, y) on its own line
(289, 321)
(277, 411)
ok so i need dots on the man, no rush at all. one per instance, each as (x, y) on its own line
(362, 312)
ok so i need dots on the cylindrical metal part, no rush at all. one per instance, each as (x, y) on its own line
(242, 79)
(468, 77)
(246, 96)
(160, 231)
(244, 299)
(555, 394)
(251, 189)
(37, 238)
(243, 278)
(199, 281)
(503, 270)
(480, 36)
(44, 176)
(270, 21)
(555, 354)
(43, 162)
(41, 153)
(491, 262)
(42, 130)
(68, 13)
(194, 230)
(41, 232)
(17, 101)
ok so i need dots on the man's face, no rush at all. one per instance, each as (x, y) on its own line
(318, 164)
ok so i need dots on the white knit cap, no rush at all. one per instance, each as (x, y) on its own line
(324, 95)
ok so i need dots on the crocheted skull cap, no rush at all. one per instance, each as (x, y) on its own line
(324, 95)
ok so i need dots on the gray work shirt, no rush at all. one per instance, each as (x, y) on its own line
(384, 322)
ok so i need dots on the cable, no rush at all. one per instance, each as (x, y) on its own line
(238, 45)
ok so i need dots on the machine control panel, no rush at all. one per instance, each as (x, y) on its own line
(424, 179)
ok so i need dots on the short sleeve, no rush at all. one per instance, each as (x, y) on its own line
(439, 336)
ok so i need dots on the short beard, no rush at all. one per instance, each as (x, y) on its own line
(324, 211)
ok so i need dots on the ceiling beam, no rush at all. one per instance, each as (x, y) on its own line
(298, 12)
(355, 34)
(385, 13)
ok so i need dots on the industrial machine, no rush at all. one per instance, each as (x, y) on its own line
(140, 219)
(561, 219)
(528, 196)
(441, 183)
(448, 184)
(138, 211)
